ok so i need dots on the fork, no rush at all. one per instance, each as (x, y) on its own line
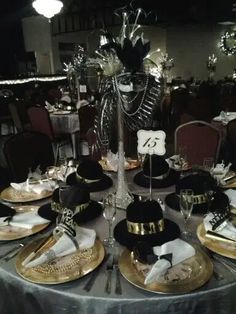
(109, 270)
(118, 289)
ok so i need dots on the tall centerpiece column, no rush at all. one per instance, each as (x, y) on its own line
(123, 197)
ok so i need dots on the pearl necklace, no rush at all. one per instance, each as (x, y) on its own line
(124, 101)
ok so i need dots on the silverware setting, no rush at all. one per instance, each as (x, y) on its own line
(118, 289)
(88, 286)
(11, 253)
(231, 266)
(109, 270)
(112, 265)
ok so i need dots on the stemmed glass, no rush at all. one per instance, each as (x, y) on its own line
(109, 212)
(182, 159)
(52, 175)
(208, 164)
(186, 207)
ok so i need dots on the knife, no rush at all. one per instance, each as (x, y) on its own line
(94, 275)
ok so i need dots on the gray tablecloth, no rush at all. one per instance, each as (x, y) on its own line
(20, 296)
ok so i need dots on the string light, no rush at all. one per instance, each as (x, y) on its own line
(225, 48)
(32, 79)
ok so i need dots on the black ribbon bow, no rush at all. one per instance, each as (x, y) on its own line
(153, 258)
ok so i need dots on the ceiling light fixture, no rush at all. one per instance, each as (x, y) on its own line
(48, 8)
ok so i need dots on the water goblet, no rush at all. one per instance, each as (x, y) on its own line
(51, 175)
(109, 212)
(208, 164)
(63, 195)
(186, 207)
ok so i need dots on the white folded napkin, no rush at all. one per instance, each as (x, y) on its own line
(26, 220)
(37, 188)
(180, 251)
(226, 228)
(84, 238)
(232, 196)
(220, 171)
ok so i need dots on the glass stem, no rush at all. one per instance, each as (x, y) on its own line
(186, 225)
(110, 231)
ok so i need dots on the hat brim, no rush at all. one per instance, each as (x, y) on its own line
(141, 180)
(104, 183)
(121, 234)
(172, 201)
(6, 211)
(91, 212)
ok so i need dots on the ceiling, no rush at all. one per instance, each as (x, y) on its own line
(181, 11)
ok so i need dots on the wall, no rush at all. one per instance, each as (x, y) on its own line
(190, 47)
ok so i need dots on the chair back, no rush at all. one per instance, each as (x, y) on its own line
(26, 150)
(94, 150)
(231, 140)
(199, 139)
(40, 121)
(87, 115)
(19, 115)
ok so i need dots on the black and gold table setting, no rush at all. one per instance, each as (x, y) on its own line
(134, 297)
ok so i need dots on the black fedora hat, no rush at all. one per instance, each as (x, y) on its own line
(76, 199)
(144, 222)
(89, 175)
(201, 182)
(6, 211)
(219, 202)
(162, 175)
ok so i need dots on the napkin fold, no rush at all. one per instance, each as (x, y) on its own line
(112, 161)
(180, 251)
(37, 188)
(232, 196)
(65, 245)
(220, 171)
(225, 228)
(26, 220)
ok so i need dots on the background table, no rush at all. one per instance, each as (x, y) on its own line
(67, 124)
(20, 296)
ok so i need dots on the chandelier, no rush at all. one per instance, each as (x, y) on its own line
(48, 8)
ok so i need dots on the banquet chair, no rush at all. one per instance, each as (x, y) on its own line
(19, 116)
(94, 150)
(199, 139)
(87, 115)
(26, 150)
(231, 141)
(40, 122)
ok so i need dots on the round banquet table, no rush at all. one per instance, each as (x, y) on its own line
(20, 296)
(67, 124)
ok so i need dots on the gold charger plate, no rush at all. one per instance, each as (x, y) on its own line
(11, 195)
(13, 233)
(62, 269)
(197, 271)
(220, 247)
(132, 164)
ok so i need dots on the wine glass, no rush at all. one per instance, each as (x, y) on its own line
(182, 159)
(63, 194)
(52, 175)
(208, 164)
(109, 212)
(186, 207)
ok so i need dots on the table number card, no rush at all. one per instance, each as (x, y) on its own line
(151, 142)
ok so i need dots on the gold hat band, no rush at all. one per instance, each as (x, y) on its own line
(58, 208)
(80, 208)
(86, 180)
(143, 228)
(198, 199)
